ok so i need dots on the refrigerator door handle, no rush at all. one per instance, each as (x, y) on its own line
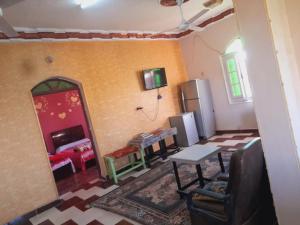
(183, 100)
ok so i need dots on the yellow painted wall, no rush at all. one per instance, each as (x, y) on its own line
(109, 73)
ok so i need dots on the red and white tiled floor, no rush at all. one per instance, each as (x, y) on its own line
(75, 181)
(75, 208)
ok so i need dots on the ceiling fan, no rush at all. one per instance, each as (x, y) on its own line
(188, 24)
(212, 3)
(5, 27)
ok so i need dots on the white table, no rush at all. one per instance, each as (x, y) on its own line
(194, 155)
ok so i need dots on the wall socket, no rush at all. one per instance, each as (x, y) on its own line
(138, 108)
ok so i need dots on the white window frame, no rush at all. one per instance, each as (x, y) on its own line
(242, 76)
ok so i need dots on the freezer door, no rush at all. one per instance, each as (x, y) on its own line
(190, 90)
(187, 131)
(195, 107)
(191, 128)
(207, 109)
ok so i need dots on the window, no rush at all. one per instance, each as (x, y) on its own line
(235, 72)
(53, 86)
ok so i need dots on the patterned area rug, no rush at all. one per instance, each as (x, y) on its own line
(151, 199)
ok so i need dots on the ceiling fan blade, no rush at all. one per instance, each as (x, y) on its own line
(212, 3)
(7, 29)
(195, 28)
(162, 32)
(179, 4)
(7, 3)
(197, 16)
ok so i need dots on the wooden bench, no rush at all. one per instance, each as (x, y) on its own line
(133, 163)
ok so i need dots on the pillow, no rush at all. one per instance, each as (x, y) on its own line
(83, 147)
(80, 148)
(199, 197)
(72, 145)
(216, 186)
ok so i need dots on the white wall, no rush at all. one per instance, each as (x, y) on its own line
(293, 9)
(283, 26)
(202, 62)
(272, 100)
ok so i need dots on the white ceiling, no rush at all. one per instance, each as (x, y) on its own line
(110, 15)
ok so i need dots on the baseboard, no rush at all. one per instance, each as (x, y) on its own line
(37, 211)
(20, 220)
(218, 132)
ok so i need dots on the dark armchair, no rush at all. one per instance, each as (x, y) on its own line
(238, 201)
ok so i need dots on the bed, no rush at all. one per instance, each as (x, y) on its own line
(72, 148)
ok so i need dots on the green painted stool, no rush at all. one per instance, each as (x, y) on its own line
(127, 151)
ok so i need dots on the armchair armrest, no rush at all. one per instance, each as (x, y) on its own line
(214, 197)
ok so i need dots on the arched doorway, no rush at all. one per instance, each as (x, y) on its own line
(67, 131)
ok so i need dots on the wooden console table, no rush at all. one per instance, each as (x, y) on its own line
(145, 141)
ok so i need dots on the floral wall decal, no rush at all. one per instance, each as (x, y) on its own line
(73, 99)
(41, 104)
(62, 115)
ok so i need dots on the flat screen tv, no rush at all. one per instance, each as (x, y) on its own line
(154, 78)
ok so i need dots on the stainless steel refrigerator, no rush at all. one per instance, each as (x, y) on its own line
(197, 98)
(187, 133)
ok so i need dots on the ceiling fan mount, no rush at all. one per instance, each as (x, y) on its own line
(169, 3)
(212, 3)
(5, 27)
(185, 24)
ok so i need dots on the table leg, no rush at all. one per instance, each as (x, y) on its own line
(177, 176)
(221, 162)
(83, 166)
(176, 143)
(112, 169)
(131, 159)
(143, 158)
(148, 155)
(135, 157)
(163, 149)
(200, 176)
(151, 150)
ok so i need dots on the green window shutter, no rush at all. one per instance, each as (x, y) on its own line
(231, 65)
(236, 90)
(53, 86)
(234, 79)
(235, 73)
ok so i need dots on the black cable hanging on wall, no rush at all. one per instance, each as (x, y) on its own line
(154, 118)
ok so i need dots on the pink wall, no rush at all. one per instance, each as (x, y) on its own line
(59, 111)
